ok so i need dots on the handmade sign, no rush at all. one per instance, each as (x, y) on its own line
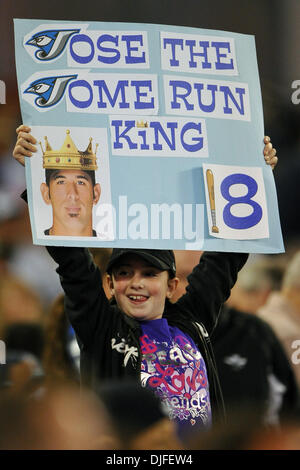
(150, 136)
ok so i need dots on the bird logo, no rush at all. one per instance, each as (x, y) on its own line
(50, 43)
(49, 90)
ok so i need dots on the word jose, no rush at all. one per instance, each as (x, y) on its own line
(197, 53)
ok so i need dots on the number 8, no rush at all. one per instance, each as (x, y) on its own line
(232, 221)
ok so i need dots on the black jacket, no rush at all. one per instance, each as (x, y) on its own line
(109, 340)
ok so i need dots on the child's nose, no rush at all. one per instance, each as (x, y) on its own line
(137, 281)
(72, 191)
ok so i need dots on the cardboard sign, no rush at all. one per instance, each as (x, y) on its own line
(151, 136)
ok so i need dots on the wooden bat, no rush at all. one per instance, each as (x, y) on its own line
(211, 193)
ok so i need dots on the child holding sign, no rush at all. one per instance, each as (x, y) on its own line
(140, 333)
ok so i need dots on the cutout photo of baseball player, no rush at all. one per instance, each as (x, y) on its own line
(70, 188)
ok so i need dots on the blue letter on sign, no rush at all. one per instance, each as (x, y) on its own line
(81, 103)
(87, 40)
(187, 87)
(174, 42)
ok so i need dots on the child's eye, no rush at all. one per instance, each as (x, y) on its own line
(151, 273)
(122, 272)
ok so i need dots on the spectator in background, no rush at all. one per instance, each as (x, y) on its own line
(21, 328)
(60, 419)
(60, 359)
(19, 303)
(244, 432)
(282, 312)
(138, 417)
(30, 262)
(5, 253)
(253, 368)
(22, 371)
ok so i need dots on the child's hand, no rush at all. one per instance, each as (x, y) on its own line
(270, 153)
(25, 145)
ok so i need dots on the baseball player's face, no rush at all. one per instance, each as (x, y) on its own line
(140, 289)
(72, 196)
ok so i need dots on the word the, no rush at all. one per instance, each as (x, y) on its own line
(2, 92)
(195, 53)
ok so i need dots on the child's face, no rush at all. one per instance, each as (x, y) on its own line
(140, 289)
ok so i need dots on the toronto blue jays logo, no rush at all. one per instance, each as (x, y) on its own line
(49, 90)
(50, 43)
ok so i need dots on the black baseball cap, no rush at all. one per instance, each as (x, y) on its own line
(161, 259)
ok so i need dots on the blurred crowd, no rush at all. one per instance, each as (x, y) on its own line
(256, 344)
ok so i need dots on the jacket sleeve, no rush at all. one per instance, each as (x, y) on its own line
(281, 368)
(209, 286)
(85, 299)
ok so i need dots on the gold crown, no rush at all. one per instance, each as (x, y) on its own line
(141, 124)
(68, 157)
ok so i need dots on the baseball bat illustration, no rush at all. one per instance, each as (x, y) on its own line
(211, 193)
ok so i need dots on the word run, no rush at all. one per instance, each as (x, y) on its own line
(152, 459)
